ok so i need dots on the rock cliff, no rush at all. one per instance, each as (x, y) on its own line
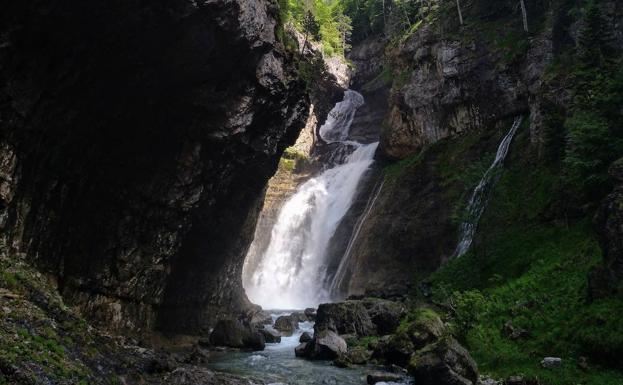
(448, 81)
(136, 142)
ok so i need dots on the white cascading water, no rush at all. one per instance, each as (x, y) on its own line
(337, 126)
(291, 271)
(480, 197)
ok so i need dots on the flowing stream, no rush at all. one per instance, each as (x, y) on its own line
(291, 273)
(277, 364)
(482, 193)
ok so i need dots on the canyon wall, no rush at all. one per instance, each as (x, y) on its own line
(136, 142)
(449, 81)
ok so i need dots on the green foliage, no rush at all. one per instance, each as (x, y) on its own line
(533, 274)
(311, 28)
(395, 170)
(323, 21)
(468, 307)
(594, 129)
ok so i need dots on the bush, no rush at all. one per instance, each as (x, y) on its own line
(468, 307)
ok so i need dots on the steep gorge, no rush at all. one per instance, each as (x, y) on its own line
(143, 147)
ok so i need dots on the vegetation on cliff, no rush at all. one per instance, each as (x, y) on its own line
(523, 292)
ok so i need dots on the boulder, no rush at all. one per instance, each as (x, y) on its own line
(551, 362)
(234, 334)
(398, 349)
(443, 363)
(286, 324)
(426, 328)
(349, 317)
(310, 313)
(306, 337)
(261, 318)
(327, 345)
(358, 356)
(302, 350)
(385, 315)
(299, 317)
(376, 377)
(271, 336)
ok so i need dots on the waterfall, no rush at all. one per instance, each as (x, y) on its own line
(291, 272)
(481, 194)
(337, 126)
(338, 278)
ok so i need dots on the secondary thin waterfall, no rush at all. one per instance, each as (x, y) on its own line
(480, 197)
(291, 272)
(344, 265)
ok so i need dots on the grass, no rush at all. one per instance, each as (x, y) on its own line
(531, 270)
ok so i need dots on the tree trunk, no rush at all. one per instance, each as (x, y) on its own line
(304, 44)
(458, 8)
(524, 15)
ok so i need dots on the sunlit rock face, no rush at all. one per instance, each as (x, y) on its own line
(136, 141)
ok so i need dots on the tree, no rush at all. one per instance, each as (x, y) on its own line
(310, 27)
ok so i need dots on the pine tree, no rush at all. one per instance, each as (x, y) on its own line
(310, 27)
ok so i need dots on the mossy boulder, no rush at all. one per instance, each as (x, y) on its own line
(426, 328)
(445, 362)
(385, 315)
(349, 317)
(286, 324)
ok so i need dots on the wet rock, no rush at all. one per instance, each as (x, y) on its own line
(358, 355)
(255, 340)
(299, 317)
(342, 362)
(551, 362)
(271, 336)
(443, 363)
(327, 345)
(302, 350)
(286, 324)
(234, 334)
(305, 337)
(376, 377)
(261, 318)
(349, 317)
(310, 312)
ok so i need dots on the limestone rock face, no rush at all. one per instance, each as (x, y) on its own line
(137, 139)
(452, 87)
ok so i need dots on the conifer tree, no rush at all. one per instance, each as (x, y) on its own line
(311, 27)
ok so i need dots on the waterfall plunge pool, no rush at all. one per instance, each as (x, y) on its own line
(277, 364)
